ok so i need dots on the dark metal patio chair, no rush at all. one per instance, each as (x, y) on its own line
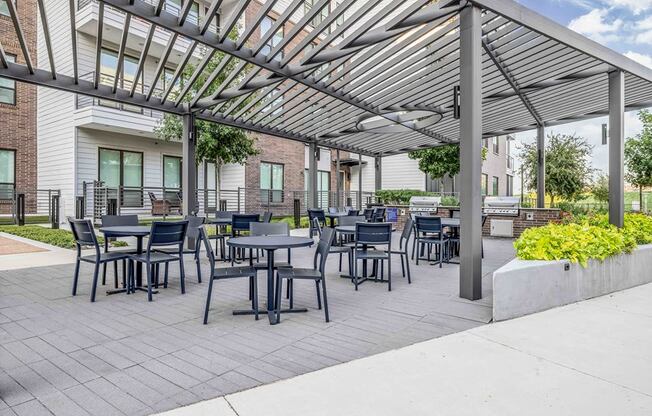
(192, 233)
(267, 217)
(224, 273)
(277, 228)
(240, 224)
(429, 232)
(221, 233)
(373, 234)
(378, 214)
(116, 221)
(312, 214)
(317, 274)
(403, 249)
(368, 213)
(336, 249)
(353, 212)
(162, 234)
(84, 235)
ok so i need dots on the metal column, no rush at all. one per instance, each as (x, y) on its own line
(616, 147)
(313, 200)
(378, 163)
(338, 180)
(541, 167)
(359, 196)
(470, 153)
(189, 174)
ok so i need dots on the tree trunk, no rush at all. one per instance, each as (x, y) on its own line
(640, 198)
(552, 201)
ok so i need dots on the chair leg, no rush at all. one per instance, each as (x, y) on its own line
(407, 267)
(287, 292)
(340, 269)
(291, 288)
(389, 272)
(255, 300)
(414, 244)
(95, 276)
(402, 267)
(318, 295)
(355, 271)
(208, 300)
(420, 244)
(75, 278)
(182, 275)
(115, 274)
(155, 273)
(165, 275)
(323, 287)
(279, 284)
(149, 283)
(198, 267)
(124, 273)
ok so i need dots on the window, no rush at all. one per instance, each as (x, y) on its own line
(4, 9)
(174, 7)
(271, 179)
(485, 143)
(265, 26)
(108, 67)
(323, 186)
(120, 168)
(510, 186)
(8, 86)
(319, 17)
(495, 146)
(168, 75)
(484, 184)
(171, 176)
(7, 173)
(494, 185)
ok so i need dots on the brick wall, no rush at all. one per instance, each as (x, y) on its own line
(19, 121)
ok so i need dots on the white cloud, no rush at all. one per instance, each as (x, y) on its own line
(640, 58)
(635, 6)
(644, 38)
(594, 25)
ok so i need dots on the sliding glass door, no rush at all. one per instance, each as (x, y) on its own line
(122, 168)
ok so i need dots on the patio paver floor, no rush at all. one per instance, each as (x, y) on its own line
(63, 355)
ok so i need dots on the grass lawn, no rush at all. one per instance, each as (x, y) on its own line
(29, 219)
(56, 237)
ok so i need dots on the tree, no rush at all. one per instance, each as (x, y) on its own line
(638, 156)
(600, 188)
(568, 169)
(440, 161)
(216, 143)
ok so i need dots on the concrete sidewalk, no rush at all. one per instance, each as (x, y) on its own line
(590, 358)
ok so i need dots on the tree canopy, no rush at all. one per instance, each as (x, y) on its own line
(216, 142)
(440, 161)
(638, 155)
(568, 168)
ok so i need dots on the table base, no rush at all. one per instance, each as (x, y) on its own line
(124, 290)
(271, 315)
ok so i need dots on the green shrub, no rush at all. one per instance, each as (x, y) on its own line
(638, 227)
(399, 196)
(450, 201)
(573, 242)
(290, 220)
(56, 237)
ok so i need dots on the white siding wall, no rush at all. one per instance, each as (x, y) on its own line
(401, 172)
(368, 175)
(55, 134)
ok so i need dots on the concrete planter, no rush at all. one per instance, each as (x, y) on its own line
(522, 287)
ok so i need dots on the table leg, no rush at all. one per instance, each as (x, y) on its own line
(139, 265)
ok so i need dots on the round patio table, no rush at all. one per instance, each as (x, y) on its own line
(138, 231)
(270, 244)
(335, 215)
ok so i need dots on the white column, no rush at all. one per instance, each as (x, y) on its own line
(470, 153)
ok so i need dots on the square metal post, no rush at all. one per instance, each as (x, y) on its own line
(313, 196)
(189, 174)
(359, 196)
(338, 180)
(470, 153)
(616, 148)
(378, 163)
(541, 167)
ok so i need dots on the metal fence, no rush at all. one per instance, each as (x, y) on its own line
(20, 206)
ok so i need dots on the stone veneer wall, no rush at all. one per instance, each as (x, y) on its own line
(540, 217)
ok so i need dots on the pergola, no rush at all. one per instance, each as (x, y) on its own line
(375, 78)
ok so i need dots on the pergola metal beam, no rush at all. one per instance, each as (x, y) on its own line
(11, 6)
(46, 37)
(616, 148)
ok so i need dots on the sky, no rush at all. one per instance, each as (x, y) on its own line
(622, 25)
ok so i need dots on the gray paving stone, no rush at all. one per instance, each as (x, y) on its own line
(53, 374)
(91, 402)
(31, 408)
(73, 368)
(118, 398)
(31, 381)
(61, 405)
(11, 392)
(21, 351)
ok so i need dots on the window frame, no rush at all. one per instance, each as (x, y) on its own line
(495, 145)
(266, 191)
(123, 107)
(14, 89)
(180, 159)
(13, 151)
(142, 173)
(7, 14)
(509, 191)
(484, 184)
(495, 185)
(270, 43)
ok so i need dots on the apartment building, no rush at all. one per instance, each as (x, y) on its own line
(17, 113)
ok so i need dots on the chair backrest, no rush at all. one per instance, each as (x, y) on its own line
(224, 214)
(269, 228)
(165, 233)
(348, 208)
(353, 212)
(267, 217)
(368, 213)
(333, 210)
(379, 214)
(152, 197)
(194, 222)
(240, 222)
(323, 248)
(427, 224)
(203, 236)
(350, 220)
(407, 232)
(118, 220)
(316, 213)
(373, 233)
(83, 233)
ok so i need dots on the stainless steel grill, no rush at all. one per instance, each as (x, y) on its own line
(424, 203)
(507, 206)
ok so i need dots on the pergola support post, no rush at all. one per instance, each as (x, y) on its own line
(470, 153)
(616, 148)
(338, 180)
(378, 163)
(541, 166)
(189, 173)
(359, 196)
(313, 200)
